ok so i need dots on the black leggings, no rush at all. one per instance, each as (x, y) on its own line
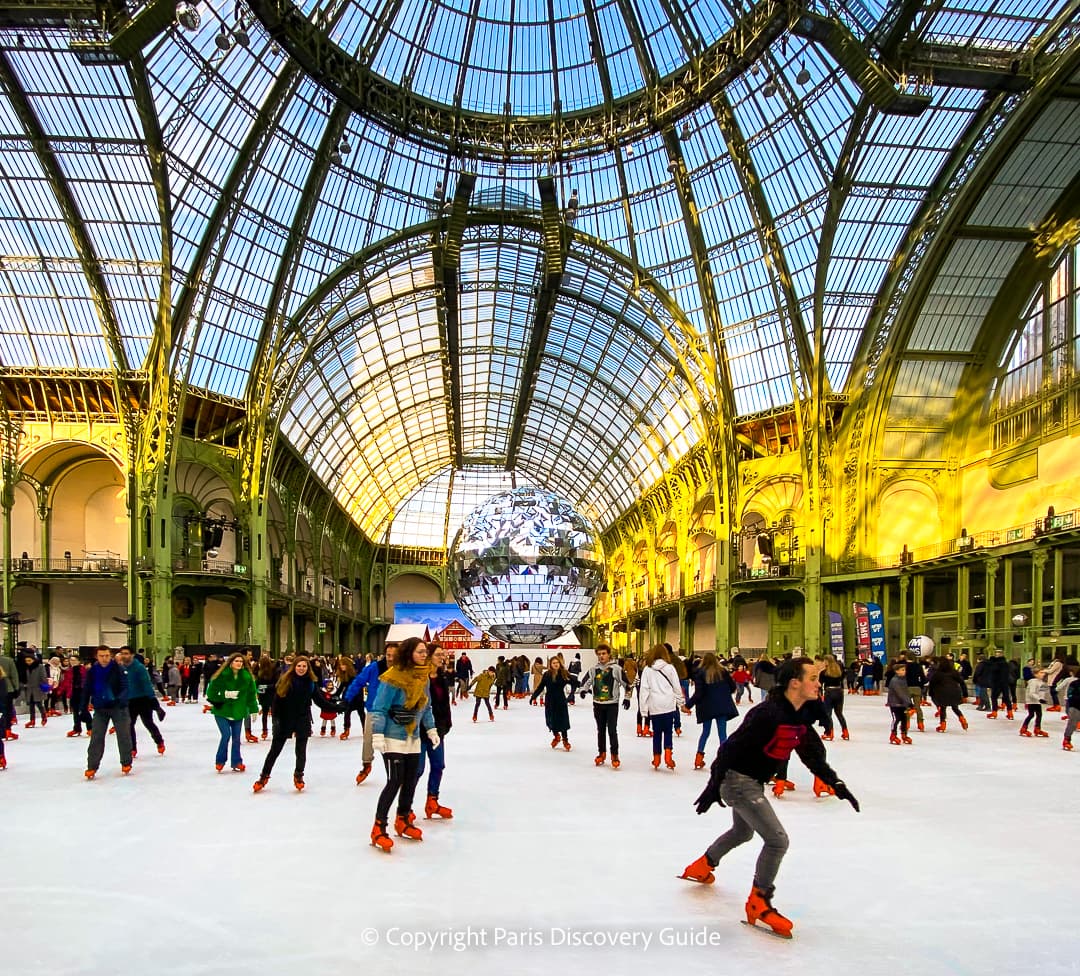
(501, 693)
(277, 743)
(899, 717)
(607, 727)
(401, 774)
(476, 706)
(1034, 712)
(834, 702)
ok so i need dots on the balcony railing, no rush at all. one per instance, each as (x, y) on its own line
(99, 565)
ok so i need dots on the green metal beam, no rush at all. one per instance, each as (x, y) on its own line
(447, 128)
(447, 261)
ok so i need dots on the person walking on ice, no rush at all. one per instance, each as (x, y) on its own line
(768, 735)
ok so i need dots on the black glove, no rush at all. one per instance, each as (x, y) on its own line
(626, 703)
(843, 793)
(711, 793)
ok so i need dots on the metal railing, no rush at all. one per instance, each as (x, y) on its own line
(82, 564)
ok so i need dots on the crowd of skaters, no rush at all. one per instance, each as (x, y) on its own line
(404, 701)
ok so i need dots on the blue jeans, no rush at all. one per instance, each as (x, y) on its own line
(706, 728)
(229, 728)
(438, 764)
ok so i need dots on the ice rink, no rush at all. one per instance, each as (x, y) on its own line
(963, 859)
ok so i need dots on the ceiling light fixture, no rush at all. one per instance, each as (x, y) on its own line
(187, 16)
(224, 41)
(685, 134)
(803, 77)
(571, 209)
(241, 34)
(769, 88)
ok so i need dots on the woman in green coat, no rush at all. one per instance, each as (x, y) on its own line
(232, 693)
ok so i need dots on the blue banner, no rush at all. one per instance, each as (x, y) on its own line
(836, 634)
(877, 631)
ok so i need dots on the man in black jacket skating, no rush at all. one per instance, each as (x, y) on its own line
(769, 733)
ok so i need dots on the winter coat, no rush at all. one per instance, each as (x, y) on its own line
(898, 692)
(35, 678)
(292, 711)
(389, 719)
(138, 680)
(1037, 692)
(556, 711)
(440, 702)
(1072, 695)
(946, 688)
(502, 675)
(173, 677)
(1054, 671)
(712, 700)
(537, 672)
(463, 670)
(105, 687)
(8, 664)
(233, 694)
(66, 679)
(963, 668)
(914, 675)
(997, 673)
(482, 684)
(764, 675)
(659, 691)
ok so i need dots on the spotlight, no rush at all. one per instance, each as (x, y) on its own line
(343, 147)
(187, 16)
(570, 212)
(685, 134)
(803, 77)
(335, 158)
(224, 41)
(769, 88)
(241, 35)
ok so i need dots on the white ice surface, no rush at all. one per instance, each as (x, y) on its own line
(962, 861)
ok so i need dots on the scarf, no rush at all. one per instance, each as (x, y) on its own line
(415, 685)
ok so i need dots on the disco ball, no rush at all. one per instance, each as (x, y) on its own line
(525, 566)
(921, 646)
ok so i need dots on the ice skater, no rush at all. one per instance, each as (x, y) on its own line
(294, 692)
(832, 697)
(142, 702)
(712, 703)
(233, 694)
(769, 733)
(107, 690)
(1036, 694)
(556, 711)
(481, 689)
(441, 688)
(947, 691)
(899, 701)
(659, 698)
(606, 682)
(402, 708)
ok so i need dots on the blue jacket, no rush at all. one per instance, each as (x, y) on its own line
(368, 678)
(105, 687)
(388, 720)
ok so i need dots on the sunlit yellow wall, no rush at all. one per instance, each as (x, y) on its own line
(908, 515)
(1057, 483)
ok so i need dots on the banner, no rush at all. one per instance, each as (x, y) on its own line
(836, 635)
(877, 631)
(862, 629)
